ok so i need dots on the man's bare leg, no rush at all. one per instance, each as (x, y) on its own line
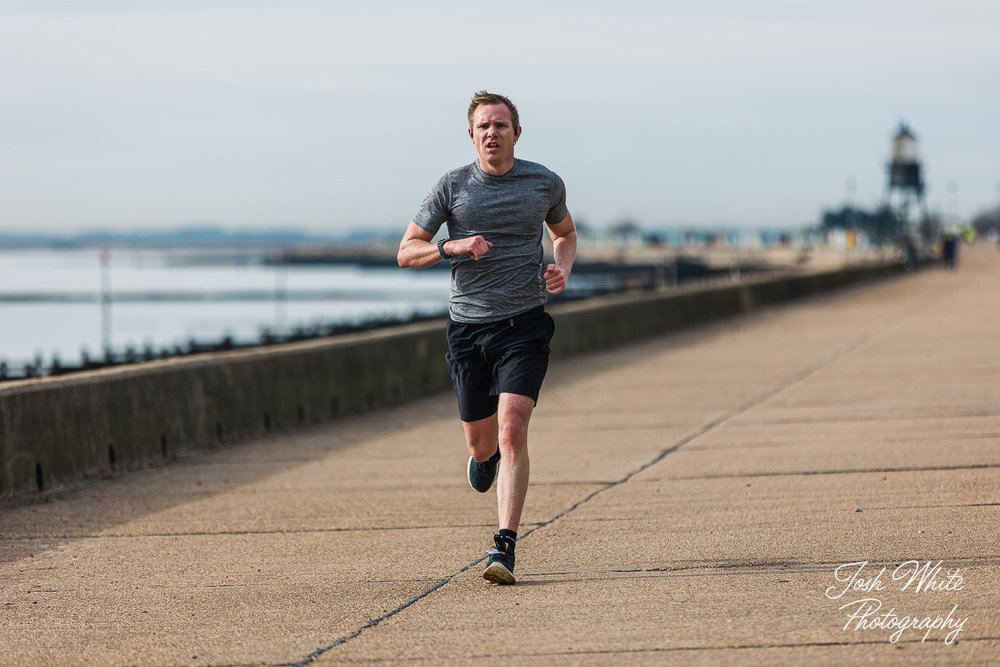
(512, 479)
(481, 437)
(502, 439)
(508, 428)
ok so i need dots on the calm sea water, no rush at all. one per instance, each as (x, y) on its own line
(50, 299)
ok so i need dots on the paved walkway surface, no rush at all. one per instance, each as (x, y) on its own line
(700, 499)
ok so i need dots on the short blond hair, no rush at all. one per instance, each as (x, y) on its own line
(483, 97)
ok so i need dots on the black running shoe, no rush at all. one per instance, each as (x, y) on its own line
(500, 566)
(481, 475)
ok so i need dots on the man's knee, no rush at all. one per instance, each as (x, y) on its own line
(483, 448)
(513, 437)
(481, 437)
(514, 415)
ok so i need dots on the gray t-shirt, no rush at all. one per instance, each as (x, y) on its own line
(507, 211)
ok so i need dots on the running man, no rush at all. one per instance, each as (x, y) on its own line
(498, 336)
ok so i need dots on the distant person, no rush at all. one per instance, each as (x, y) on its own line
(498, 337)
(949, 250)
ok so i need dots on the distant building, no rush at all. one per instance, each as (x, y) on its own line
(880, 226)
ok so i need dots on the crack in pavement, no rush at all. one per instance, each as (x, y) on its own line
(710, 569)
(909, 439)
(718, 647)
(896, 415)
(235, 533)
(844, 471)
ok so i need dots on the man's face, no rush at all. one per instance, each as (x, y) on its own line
(493, 133)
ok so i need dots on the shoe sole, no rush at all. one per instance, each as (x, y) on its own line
(468, 477)
(496, 573)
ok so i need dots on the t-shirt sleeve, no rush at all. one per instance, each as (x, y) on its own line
(558, 210)
(434, 210)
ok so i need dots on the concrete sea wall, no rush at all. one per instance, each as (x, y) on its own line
(58, 432)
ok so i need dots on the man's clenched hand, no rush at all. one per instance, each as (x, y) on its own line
(555, 278)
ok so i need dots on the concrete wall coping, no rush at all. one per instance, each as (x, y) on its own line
(60, 431)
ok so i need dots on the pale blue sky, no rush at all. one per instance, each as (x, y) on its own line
(333, 115)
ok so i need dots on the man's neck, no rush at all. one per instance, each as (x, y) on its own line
(498, 169)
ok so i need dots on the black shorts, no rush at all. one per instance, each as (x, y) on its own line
(508, 356)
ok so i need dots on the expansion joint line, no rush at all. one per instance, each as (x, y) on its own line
(438, 584)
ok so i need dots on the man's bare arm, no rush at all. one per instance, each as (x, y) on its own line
(563, 235)
(417, 252)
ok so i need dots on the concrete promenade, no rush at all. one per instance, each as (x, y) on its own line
(694, 500)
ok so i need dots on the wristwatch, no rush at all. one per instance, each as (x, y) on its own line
(441, 247)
